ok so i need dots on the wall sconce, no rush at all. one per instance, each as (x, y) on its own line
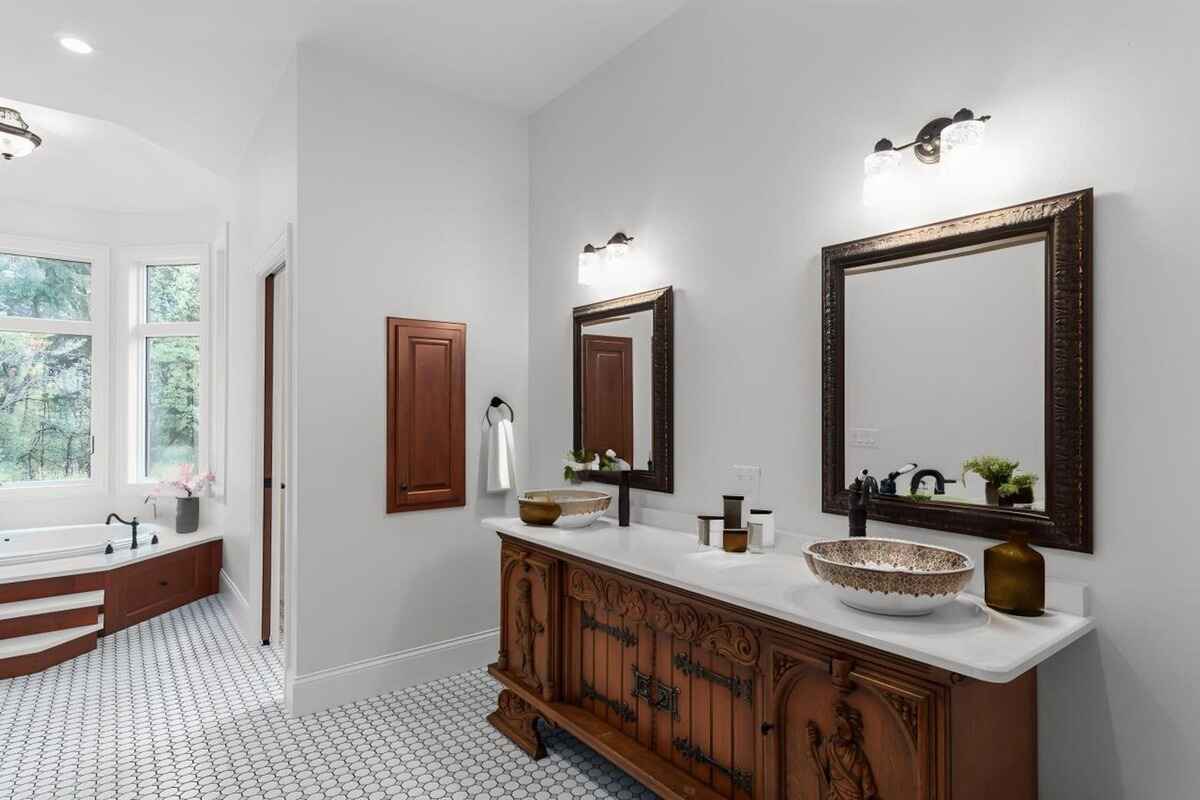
(599, 265)
(949, 139)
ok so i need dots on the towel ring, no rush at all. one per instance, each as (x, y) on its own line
(496, 403)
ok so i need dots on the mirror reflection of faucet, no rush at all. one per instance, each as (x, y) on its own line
(888, 484)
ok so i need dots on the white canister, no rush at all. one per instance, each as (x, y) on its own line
(766, 518)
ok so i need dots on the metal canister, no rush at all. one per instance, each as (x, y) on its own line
(706, 525)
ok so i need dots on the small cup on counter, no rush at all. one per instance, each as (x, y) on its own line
(762, 530)
(708, 529)
(735, 540)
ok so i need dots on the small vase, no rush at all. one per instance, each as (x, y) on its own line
(187, 514)
(1014, 577)
(992, 492)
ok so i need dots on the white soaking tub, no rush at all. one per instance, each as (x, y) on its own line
(27, 545)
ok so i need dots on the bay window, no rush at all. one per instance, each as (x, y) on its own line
(53, 364)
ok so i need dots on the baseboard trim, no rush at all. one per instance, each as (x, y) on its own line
(336, 686)
(238, 608)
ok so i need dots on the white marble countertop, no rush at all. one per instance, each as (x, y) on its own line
(168, 541)
(964, 636)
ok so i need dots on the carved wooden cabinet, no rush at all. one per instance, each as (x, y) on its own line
(701, 700)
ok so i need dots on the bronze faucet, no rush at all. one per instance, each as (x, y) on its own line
(861, 491)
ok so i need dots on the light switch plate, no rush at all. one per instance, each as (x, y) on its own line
(747, 481)
(863, 437)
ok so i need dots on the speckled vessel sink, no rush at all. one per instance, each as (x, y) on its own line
(578, 507)
(890, 576)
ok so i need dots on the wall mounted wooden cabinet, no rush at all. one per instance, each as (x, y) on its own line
(426, 451)
(699, 700)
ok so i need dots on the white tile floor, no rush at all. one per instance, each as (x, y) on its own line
(181, 707)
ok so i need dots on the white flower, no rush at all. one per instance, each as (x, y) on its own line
(610, 453)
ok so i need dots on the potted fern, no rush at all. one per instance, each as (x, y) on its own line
(995, 472)
(1018, 489)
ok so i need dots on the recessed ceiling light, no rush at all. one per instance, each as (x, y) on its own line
(75, 45)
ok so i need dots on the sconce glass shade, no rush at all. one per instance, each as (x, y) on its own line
(591, 265)
(618, 247)
(960, 140)
(881, 175)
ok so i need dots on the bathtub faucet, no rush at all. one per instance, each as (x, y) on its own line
(133, 523)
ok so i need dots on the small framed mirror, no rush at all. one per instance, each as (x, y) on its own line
(957, 372)
(624, 385)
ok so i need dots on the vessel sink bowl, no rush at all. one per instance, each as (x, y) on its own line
(578, 507)
(890, 576)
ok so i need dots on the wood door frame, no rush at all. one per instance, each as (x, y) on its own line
(278, 256)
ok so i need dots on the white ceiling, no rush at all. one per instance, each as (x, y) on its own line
(193, 76)
(93, 164)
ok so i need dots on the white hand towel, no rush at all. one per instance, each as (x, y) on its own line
(502, 457)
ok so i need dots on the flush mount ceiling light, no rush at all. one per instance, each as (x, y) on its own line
(598, 265)
(943, 139)
(16, 140)
(75, 45)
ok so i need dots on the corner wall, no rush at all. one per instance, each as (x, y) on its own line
(730, 140)
(411, 203)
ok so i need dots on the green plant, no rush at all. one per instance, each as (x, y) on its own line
(993, 469)
(1018, 482)
(583, 460)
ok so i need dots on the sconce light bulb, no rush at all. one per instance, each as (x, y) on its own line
(589, 266)
(618, 246)
(880, 176)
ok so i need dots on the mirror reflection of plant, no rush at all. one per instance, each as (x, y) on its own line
(1018, 483)
(578, 461)
(993, 469)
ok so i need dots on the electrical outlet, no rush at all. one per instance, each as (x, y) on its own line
(867, 438)
(747, 481)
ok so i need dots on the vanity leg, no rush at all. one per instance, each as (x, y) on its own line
(517, 720)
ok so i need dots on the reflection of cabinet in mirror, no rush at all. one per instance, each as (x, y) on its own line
(623, 394)
(965, 341)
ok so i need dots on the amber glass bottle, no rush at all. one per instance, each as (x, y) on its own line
(1014, 577)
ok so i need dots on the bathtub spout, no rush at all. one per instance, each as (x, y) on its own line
(133, 523)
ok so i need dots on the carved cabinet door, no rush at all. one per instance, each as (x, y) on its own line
(839, 731)
(529, 632)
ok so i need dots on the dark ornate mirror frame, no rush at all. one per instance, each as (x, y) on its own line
(1066, 222)
(662, 401)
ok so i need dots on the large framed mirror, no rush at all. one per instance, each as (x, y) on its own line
(624, 385)
(957, 371)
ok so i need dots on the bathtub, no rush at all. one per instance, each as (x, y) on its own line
(23, 546)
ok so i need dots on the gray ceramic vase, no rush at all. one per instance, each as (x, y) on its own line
(187, 514)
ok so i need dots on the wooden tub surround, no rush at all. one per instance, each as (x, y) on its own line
(50, 618)
(702, 684)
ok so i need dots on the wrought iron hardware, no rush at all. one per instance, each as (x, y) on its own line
(738, 687)
(622, 709)
(741, 778)
(622, 635)
(656, 693)
(767, 727)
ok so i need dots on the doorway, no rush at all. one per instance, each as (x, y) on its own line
(274, 455)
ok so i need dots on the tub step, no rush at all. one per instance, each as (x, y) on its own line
(23, 655)
(47, 605)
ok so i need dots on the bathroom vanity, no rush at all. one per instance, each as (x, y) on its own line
(705, 674)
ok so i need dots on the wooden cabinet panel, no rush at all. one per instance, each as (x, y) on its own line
(426, 414)
(529, 639)
(840, 731)
(675, 675)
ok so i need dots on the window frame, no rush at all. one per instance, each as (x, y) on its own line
(98, 328)
(139, 260)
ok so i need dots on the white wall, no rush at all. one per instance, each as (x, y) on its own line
(412, 203)
(264, 203)
(118, 232)
(736, 153)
